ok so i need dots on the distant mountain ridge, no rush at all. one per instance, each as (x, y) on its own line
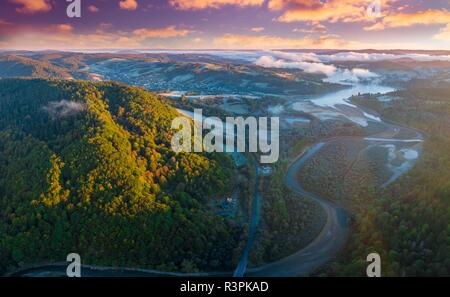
(20, 66)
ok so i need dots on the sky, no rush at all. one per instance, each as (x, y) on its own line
(226, 24)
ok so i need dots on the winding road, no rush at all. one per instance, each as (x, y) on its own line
(325, 245)
(254, 221)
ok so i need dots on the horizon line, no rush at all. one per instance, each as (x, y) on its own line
(218, 49)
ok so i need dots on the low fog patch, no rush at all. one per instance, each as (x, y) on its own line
(354, 75)
(63, 108)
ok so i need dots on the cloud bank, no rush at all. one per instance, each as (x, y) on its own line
(399, 20)
(310, 63)
(271, 62)
(373, 57)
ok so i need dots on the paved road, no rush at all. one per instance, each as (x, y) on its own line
(254, 220)
(335, 232)
(327, 243)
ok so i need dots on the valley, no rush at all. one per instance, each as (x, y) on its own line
(340, 149)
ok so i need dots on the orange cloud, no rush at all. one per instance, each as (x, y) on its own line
(203, 4)
(426, 17)
(318, 11)
(168, 32)
(63, 36)
(128, 4)
(64, 27)
(232, 41)
(32, 6)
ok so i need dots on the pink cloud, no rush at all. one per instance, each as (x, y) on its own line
(346, 11)
(167, 32)
(204, 4)
(93, 8)
(257, 29)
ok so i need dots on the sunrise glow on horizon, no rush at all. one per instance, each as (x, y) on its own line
(225, 24)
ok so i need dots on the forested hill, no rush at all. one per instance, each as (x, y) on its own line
(87, 168)
(18, 66)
